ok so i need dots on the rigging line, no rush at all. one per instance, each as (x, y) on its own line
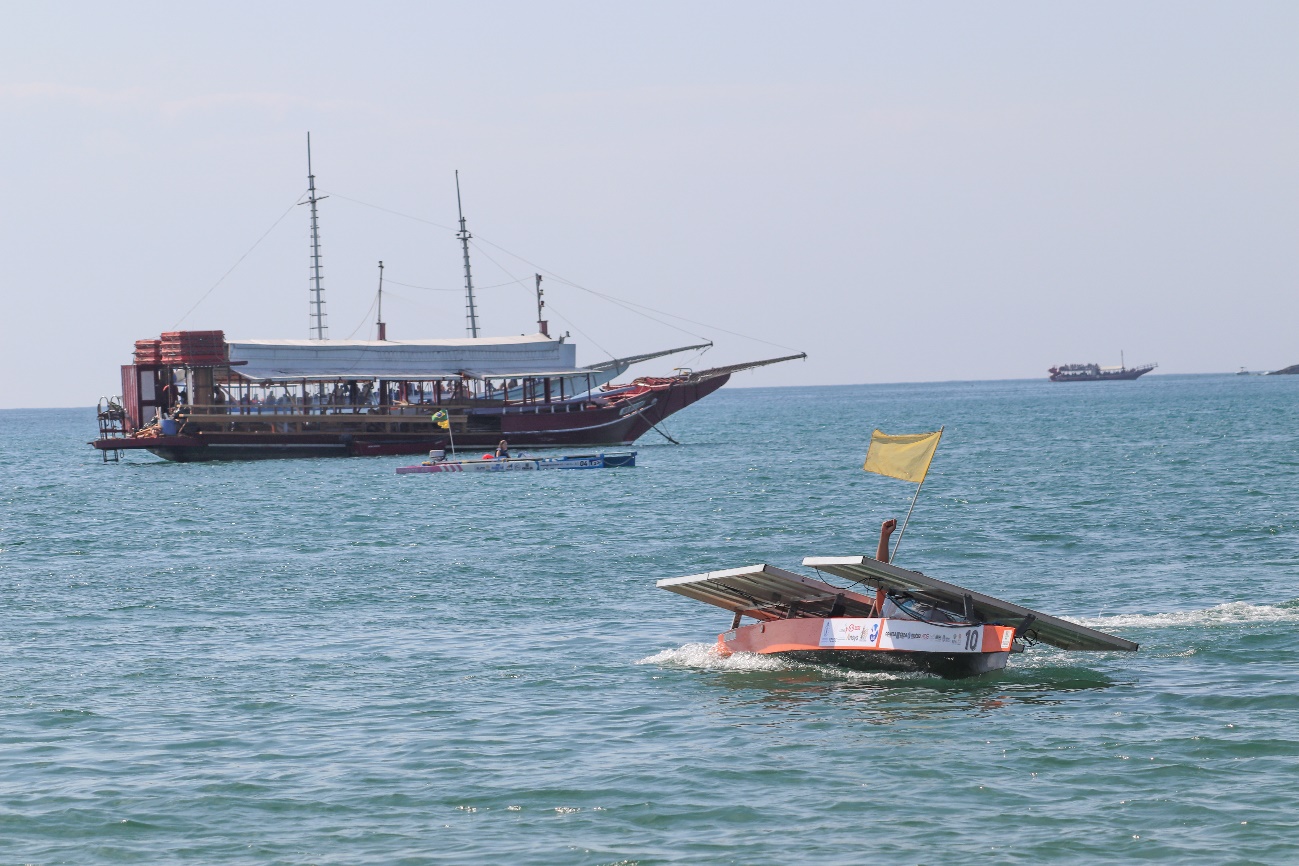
(556, 276)
(365, 318)
(407, 300)
(419, 304)
(694, 359)
(586, 336)
(582, 333)
(617, 301)
(237, 263)
(413, 286)
(629, 305)
(551, 307)
(387, 210)
(634, 304)
(433, 289)
(519, 281)
(489, 258)
(664, 435)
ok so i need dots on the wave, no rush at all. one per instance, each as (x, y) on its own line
(1232, 613)
(699, 656)
(704, 656)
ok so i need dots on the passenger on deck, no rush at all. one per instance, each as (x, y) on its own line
(503, 450)
(886, 529)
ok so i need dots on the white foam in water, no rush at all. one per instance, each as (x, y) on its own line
(1233, 613)
(703, 656)
(700, 656)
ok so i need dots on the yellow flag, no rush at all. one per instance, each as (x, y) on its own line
(906, 457)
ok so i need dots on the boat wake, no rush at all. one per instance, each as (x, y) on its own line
(704, 656)
(1230, 614)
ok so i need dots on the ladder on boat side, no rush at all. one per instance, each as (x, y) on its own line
(112, 425)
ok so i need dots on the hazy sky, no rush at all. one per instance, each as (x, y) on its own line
(905, 191)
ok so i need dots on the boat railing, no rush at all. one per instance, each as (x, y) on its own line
(550, 408)
(409, 410)
(297, 409)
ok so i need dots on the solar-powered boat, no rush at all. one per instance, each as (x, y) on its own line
(893, 618)
(488, 463)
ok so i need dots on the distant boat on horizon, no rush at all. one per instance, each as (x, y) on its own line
(1097, 373)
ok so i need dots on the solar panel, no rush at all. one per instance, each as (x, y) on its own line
(865, 571)
(765, 592)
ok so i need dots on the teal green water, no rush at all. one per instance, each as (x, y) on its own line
(322, 662)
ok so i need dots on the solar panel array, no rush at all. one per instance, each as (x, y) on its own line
(765, 592)
(1043, 627)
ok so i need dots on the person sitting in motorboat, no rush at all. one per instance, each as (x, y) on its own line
(503, 450)
(889, 607)
(886, 529)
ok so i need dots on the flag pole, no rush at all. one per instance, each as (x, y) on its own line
(898, 543)
(445, 419)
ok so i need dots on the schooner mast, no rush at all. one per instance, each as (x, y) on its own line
(471, 314)
(317, 307)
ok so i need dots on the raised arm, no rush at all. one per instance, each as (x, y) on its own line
(886, 529)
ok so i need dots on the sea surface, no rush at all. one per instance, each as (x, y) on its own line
(321, 662)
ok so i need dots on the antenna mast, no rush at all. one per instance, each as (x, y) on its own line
(542, 325)
(378, 319)
(317, 315)
(471, 314)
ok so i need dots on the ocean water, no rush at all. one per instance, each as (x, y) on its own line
(320, 662)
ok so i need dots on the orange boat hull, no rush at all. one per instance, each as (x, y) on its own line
(872, 643)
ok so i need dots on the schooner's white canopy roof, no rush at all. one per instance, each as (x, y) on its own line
(527, 355)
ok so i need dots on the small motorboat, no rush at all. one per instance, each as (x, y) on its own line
(909, 621)
(438, 462)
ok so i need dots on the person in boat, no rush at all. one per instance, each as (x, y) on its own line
(503, 450)
(886, 529)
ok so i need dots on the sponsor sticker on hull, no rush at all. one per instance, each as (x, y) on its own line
(913, 636)
(900, 634)
(850, 632)
(485, 466)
